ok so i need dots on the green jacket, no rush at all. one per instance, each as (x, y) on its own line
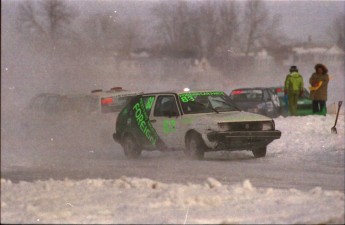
(294, 82)
(321, 93)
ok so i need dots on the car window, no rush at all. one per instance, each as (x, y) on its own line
(166, 106)
(266, 97)
(148, 102)
(113, 103)
(38, 102)
(88, 103)
(247, 95)
(274, 97)
(52, 104)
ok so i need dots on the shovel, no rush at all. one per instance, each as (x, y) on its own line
(334, 129)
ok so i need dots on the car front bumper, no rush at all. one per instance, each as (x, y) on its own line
(242, 140)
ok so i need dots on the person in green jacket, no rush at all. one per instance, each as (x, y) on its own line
(318, 90)
(294, 89)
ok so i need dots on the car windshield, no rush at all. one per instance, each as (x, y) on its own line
(206, 102)
(250, 95)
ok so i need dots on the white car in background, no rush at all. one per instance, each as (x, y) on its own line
(98, 100)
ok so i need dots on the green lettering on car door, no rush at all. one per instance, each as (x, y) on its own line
(169, 126)
(143, 122)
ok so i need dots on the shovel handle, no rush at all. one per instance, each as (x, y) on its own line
(336, 119)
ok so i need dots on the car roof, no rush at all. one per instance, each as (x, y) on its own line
(282, 86)
(46, 95)
(178, 92)
(116, 93)
(251, 88)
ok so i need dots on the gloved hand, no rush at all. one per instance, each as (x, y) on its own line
(301, 93)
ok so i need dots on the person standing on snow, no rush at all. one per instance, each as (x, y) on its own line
(294, 89)
(318, 90)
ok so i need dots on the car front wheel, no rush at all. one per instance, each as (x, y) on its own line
(130, 147)
(259, 152)
(195, 147)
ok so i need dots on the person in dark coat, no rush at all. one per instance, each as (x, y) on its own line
(318, 90)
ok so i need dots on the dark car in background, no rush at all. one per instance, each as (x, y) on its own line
(304, 104)
(258, 100)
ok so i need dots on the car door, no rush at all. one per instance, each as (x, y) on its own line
(165, 119)
(268, 103)
(275, 100)
(304, 104)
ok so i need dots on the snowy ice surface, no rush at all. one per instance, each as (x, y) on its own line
(305, 140)
(140, 200)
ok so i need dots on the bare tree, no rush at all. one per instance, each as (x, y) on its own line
(129, 36)
(176, 26)
(337, 31)
(50, 18)
(259, 26)
(229, 22)
(58, 16)
(209, 28)
(197, 27)
(101, 31)
(28, 21)
(109, 32)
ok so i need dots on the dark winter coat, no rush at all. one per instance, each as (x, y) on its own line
(321, 93)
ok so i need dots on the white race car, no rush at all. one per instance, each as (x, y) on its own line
(195, 122)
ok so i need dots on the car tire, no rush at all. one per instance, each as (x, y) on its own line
(195, 147)
(130, 147)
(259, 152)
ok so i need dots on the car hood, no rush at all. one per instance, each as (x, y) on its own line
(224, 117)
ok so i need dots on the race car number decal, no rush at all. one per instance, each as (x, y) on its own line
(169, 126)
(186, 97)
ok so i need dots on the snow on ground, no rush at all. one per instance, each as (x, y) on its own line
(139, 200)
(305, 140)
(308, 135)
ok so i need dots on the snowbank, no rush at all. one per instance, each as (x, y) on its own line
(308, 135)
(135, 200)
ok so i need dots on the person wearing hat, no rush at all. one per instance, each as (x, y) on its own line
(293, 89)
(318, 90)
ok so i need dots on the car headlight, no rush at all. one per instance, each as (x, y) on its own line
(223, 126)
(269, 125)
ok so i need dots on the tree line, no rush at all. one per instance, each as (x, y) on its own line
(181, 28)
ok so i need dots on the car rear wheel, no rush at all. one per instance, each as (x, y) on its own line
(195, 147)
(130, 147)
(259, 152)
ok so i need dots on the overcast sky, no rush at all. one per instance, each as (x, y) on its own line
(303, 18)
